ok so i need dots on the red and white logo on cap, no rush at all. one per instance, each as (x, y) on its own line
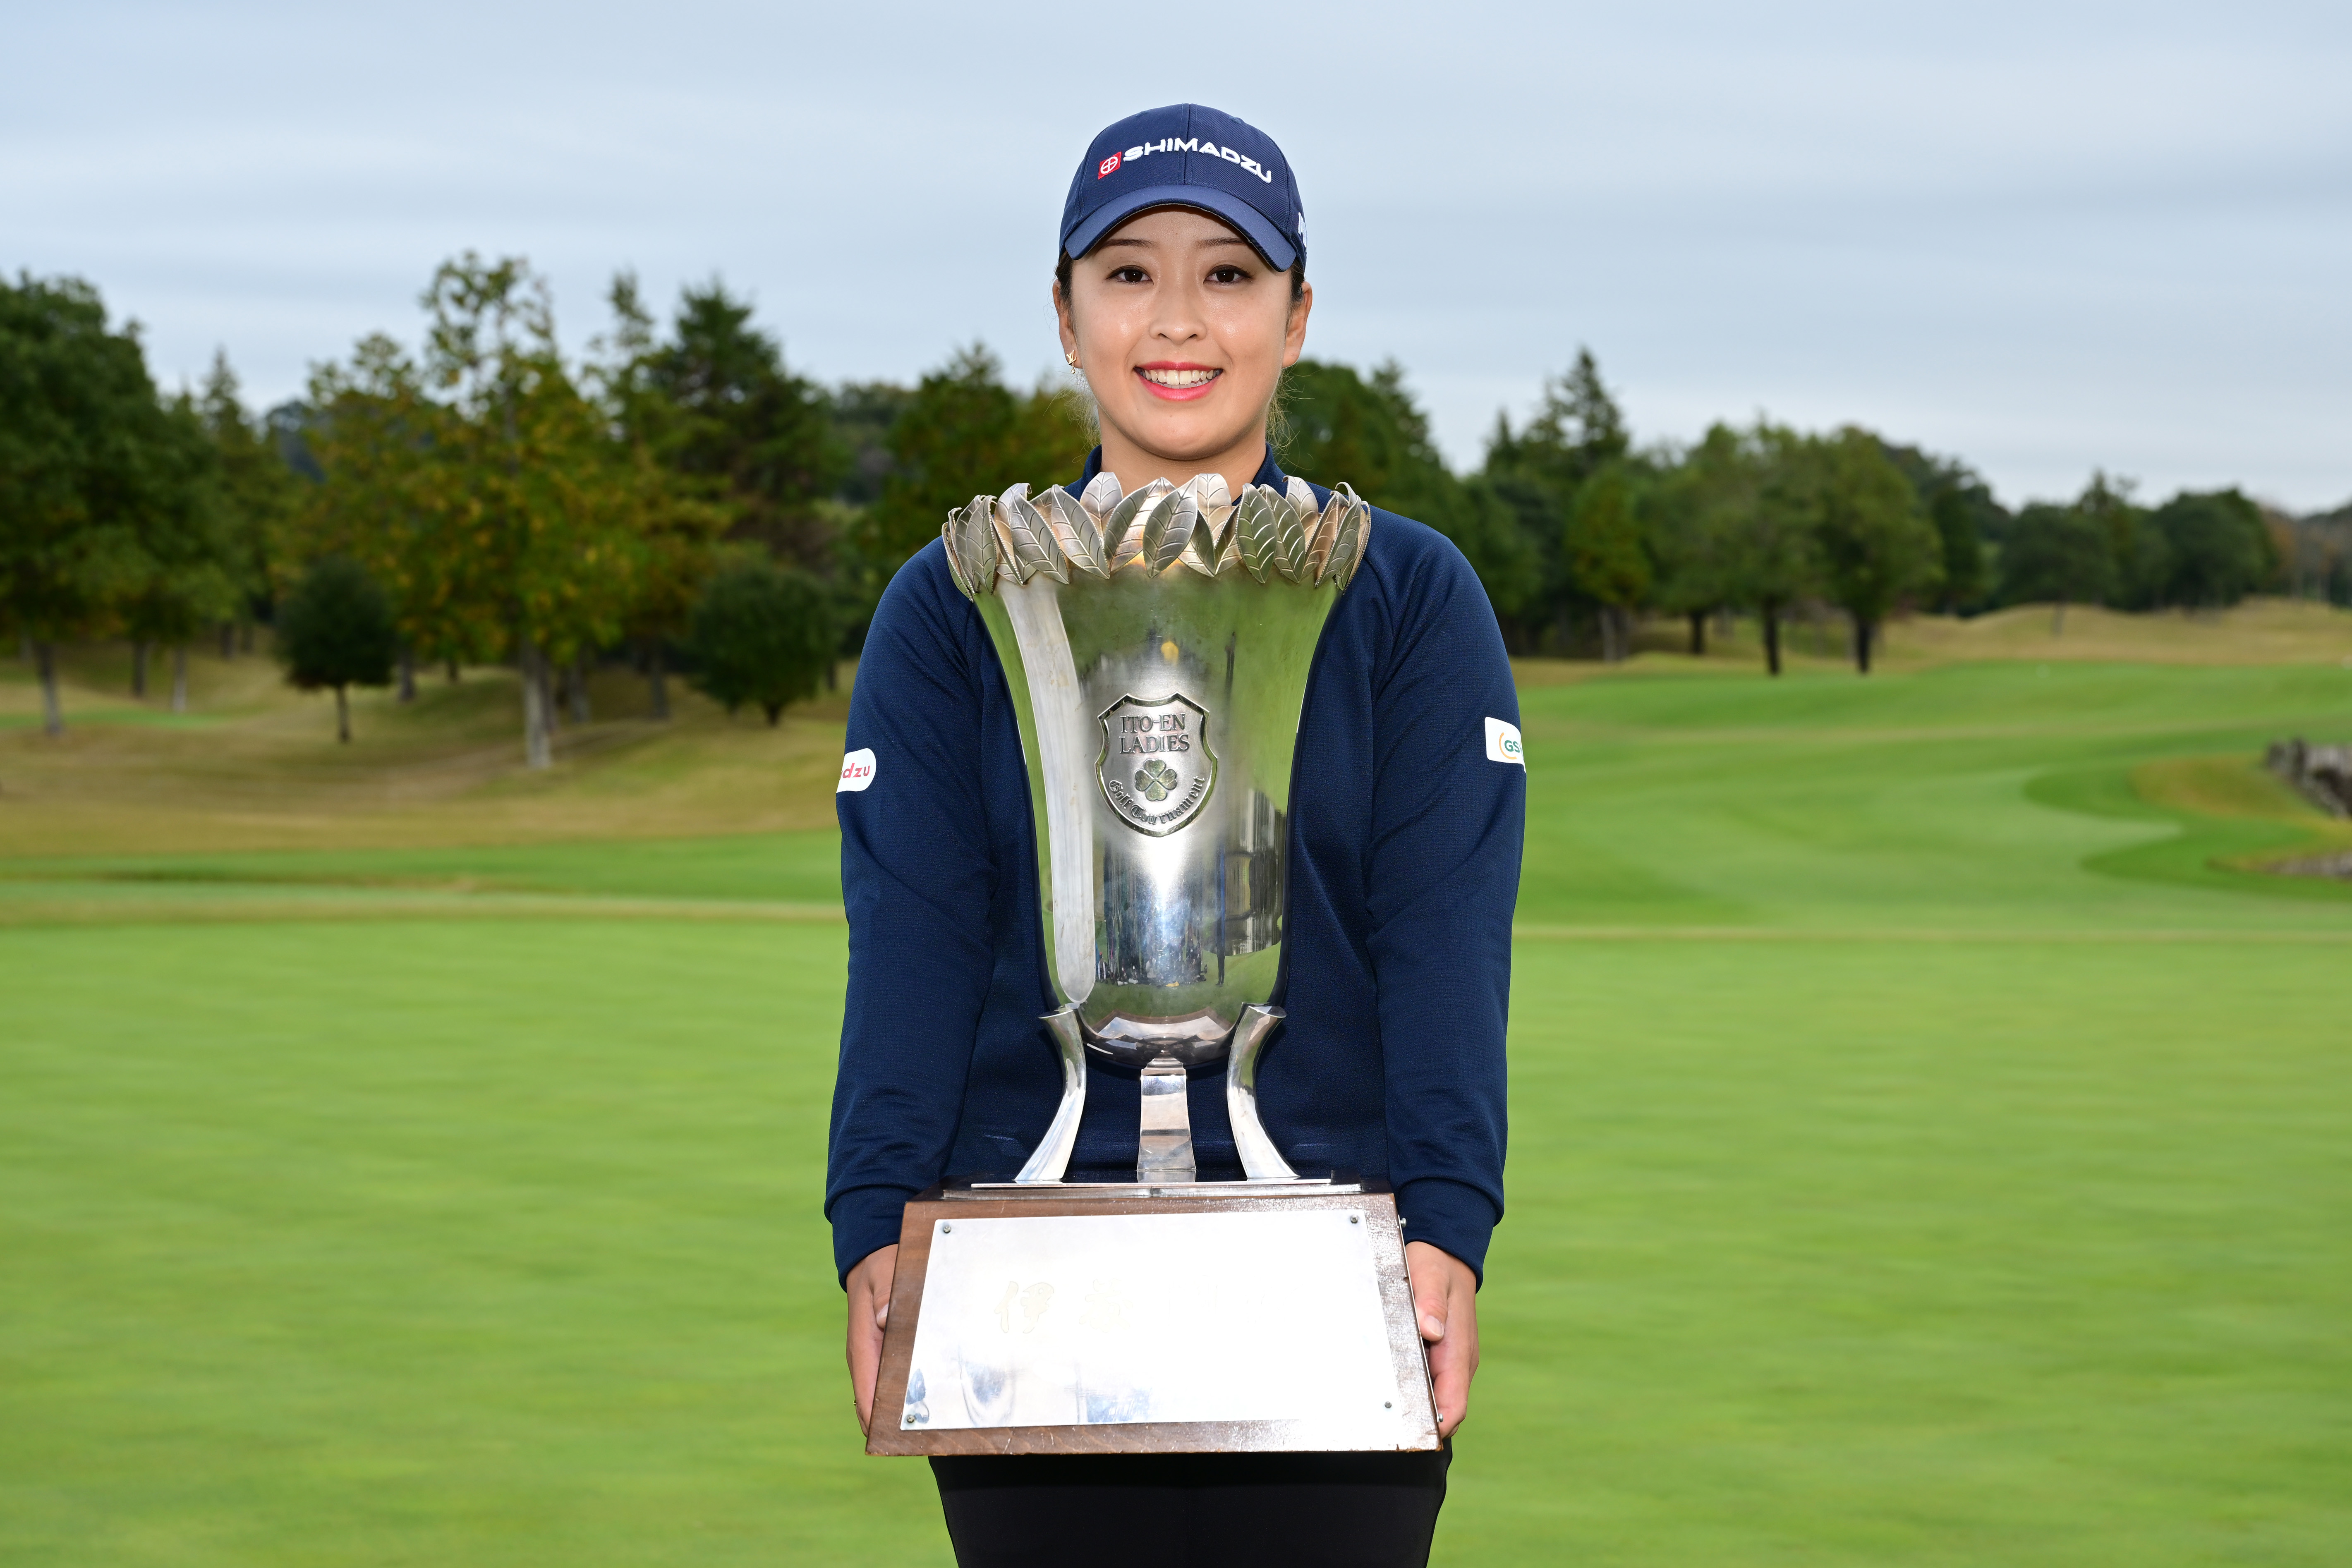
(1104, 169)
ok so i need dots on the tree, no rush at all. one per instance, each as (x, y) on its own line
(762, 634)
(1537, 473)
(388, 496)
(1960, 507)
(2142, 560)
(2059, 555)
(335, 630)
(1337, 424)
(700, 420)
(1876, 549)
(2217, 548)
(962, 434)
(1696, 511)
(1770, 485)
(258, 493)
(1607, 555)
(716, 405)
(89, 459)
(188, 555)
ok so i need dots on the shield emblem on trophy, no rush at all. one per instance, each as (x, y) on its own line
(1156, 768)
(1156, 646)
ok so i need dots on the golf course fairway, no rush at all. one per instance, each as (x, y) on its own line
(1928, 1145)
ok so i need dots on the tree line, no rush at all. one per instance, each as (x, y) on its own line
(680, 498)
(1577, 532)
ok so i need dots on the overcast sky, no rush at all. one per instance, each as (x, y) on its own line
(2043, 238)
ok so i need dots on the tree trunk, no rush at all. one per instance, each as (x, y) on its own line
(342, 716)
(245, 637)
(1615, 626)
(453, 671)
(1862, 632)
(1771, 614)
(579, 714)
(407, 673)
(180, 677)
(537, 748)
(832, 675)
(53, 715)
(137, 669)
(656, 678)
(228, 640)
(774, 711)
(1698, 634)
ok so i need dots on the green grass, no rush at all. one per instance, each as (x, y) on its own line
(1929, 1146)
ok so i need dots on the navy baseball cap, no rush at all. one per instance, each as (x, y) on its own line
(1186, 155)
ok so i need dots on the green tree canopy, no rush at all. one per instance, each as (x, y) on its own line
(1960, 507)
(965, 433)
(1770, 478)
(335, 631)
(1697, 509)
(1535, 473)
(2216, 548)
(2058, 555)
(1607, 553)
(714, 404)
(1877, 547)
(762, 634)
(97, 475)
(1337, 424)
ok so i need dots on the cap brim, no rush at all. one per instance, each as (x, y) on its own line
(1264, 238)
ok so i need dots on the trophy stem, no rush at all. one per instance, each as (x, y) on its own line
(1053, 1154)
(1261, 1162)
(1164, 1151)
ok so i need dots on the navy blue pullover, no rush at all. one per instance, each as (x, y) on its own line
(1403, 869)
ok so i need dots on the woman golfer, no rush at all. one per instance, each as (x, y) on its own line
(1181, 294)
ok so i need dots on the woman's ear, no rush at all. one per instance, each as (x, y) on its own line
(1294, 338)
(1068, 327)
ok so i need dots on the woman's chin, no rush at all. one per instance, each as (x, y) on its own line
(1185, 435)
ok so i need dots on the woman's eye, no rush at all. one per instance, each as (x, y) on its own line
(1227, 275)
(1131, 275)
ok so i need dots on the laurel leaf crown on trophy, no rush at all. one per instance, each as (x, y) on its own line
(1271, 534)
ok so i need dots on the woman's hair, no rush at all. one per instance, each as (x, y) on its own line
(1298, 276)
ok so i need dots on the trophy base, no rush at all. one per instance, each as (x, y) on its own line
(1131, 1317)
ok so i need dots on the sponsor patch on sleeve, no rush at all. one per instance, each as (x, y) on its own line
(1502, 744)
(857, 767)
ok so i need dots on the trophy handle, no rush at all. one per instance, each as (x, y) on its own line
(1261, 1162)
(1053, 1155)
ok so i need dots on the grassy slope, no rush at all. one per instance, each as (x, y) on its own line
(1921, 1152)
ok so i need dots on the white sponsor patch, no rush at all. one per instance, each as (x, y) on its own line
(857, 768)
(1502, 744)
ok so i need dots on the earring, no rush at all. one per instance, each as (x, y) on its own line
(1070, 359)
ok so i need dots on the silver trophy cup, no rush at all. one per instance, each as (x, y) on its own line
(1158, 646)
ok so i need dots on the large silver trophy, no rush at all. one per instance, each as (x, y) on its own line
(1158, 646)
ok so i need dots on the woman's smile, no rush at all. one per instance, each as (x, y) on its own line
(1177, 383)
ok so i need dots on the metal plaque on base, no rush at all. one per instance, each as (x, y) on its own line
(1134, 1323)
(1157, 644)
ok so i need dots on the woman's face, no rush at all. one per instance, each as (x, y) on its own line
(1183, 331)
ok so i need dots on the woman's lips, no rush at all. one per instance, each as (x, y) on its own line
(1178, 383)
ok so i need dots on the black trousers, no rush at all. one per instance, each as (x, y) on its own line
(1177, 1511)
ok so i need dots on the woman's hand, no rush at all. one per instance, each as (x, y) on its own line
(869, 1311)
(1446, 1301)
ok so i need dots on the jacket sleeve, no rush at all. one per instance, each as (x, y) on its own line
(1442, 876)
(917, 878)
